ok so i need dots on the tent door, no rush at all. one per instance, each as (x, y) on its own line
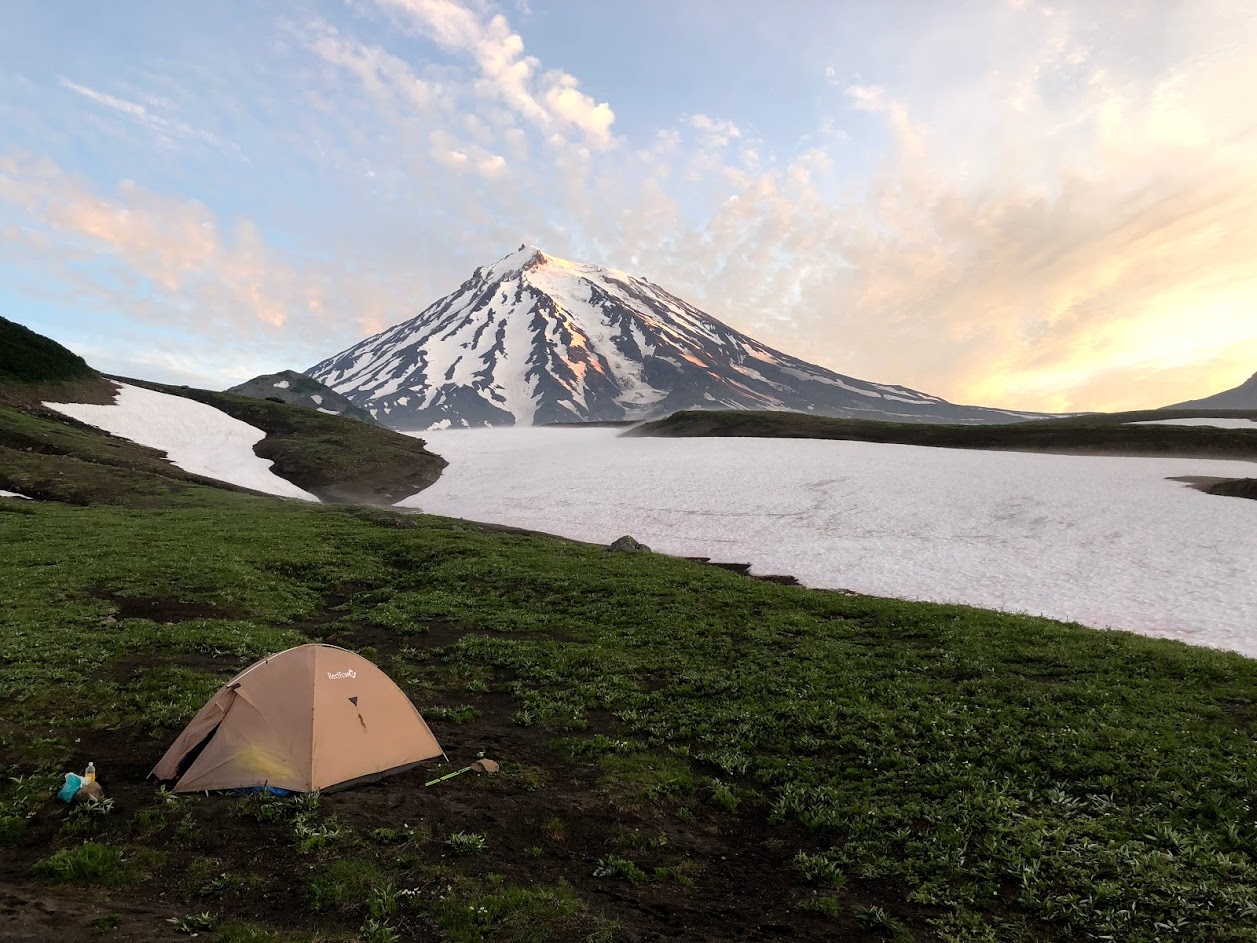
(186, 761)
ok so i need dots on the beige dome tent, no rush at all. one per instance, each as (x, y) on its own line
(309, 718)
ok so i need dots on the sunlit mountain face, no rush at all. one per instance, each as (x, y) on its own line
(534, 339)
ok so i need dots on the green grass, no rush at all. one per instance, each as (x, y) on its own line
(1020, 778)
(30, 358)
(88, 863)
(1098, 433)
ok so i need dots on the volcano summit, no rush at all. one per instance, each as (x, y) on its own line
(534, 339)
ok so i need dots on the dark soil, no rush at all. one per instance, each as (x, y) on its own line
(161, 610)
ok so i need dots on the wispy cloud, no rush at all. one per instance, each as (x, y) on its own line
(172, 261)
(166, 129)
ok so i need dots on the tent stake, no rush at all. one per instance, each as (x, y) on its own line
(441, 779)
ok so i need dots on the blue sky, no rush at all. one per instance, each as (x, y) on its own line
(1049, 206)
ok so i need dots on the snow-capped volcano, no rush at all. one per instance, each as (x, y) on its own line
(534, 339)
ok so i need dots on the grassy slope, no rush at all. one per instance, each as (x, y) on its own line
(680, 741)
(336, 458)
(46, 455)
(27, 357)
(1098, 434)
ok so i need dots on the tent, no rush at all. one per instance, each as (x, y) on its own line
(309, 718)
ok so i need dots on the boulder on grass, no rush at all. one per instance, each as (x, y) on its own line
(627, 544)
(485, 766)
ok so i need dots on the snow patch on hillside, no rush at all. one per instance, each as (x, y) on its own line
(1100, 540)
(1218, 423)
(199, 439)
(13, 494)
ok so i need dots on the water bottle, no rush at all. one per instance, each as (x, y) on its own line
(89, 774)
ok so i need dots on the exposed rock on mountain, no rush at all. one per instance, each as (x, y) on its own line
(534, 339)
(301, 390)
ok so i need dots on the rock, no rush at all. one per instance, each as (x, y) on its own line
(485, 766)
(109, 620)
(89, 791)
(627, 544)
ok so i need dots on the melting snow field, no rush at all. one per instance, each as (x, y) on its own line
(1219, 423)
(12, 494)
(1105, 541)
(197, 438)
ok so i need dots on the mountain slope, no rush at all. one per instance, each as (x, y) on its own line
(27, 357)
(297, 389)
(1243, 396)
(534, 339)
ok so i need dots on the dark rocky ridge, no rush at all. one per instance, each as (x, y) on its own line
(297, 389)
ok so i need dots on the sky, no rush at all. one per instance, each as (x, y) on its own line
(1044, 206)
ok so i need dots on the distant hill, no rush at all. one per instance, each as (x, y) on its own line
(49, 456)
(1243, 396)
(27, 357)
(297, 389)
(1097, 434)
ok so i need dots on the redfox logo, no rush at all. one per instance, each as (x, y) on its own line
(336, 676)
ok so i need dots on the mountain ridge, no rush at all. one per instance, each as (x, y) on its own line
(533, 339)
(1243, 396)
(297, 389)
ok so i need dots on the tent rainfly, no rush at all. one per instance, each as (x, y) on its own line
(309, 718)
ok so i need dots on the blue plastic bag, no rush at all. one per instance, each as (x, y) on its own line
(73, 783)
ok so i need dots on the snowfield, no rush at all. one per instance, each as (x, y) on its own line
(1220, 423)
(197, 438)
(12, 494)
(1105, 541)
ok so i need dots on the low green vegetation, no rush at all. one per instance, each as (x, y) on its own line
(1097, 433)
(88, 863)
(30, 358)
(861, 768)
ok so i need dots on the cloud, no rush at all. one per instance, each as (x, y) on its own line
(713, 132)
(166, 129)
(544, 97)
(381, 74)
(171, 261)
